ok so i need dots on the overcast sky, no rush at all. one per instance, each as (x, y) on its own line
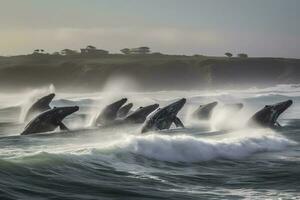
(208, 27)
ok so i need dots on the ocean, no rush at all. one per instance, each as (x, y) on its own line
(200, 161)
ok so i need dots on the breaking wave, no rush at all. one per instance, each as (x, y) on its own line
(186, 148)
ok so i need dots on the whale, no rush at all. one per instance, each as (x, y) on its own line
(49, 120)
(268, 116)
(39, 106)
(109, 114)
(124, 110)
(164, 117)
(204, 112)
(139, 116)
(233, 107)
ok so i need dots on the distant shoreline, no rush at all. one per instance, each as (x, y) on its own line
(149, 72)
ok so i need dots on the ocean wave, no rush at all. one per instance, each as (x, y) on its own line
(66, 102)
(182, 147)
(272, 97)
(186, 148)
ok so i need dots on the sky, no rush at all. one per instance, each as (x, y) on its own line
(264, 28)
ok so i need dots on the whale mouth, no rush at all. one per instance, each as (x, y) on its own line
(118, 104)
(149, 109)
(282, 106)
(181, 103)
(123, 100)
(142, 113)
(128, 106)
(213, 104)
(47, 99)
(124, 110)
(51, 96)
(279, 108)
(175, 107)
(65, 111)
(208, 107)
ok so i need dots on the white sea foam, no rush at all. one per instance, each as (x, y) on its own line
(187, 148)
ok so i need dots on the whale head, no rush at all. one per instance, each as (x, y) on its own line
(109, 113)
(164, 117)
(140, 115)
(267, 117)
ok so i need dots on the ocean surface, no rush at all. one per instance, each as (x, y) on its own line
(200, 161)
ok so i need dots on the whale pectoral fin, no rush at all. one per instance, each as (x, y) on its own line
(277, 125)
(62, 126)
(178, 122)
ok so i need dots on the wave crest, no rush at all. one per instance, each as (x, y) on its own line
(184, 148)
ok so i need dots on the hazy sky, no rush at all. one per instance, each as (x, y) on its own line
(209, 27)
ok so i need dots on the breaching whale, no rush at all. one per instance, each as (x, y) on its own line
(39, 106)
(49, 120)
(204, 112)
(164, 117)
(267, 117)
(109, 113)
(140, 115)
(233, 107)
(136, 117)
(123, 111)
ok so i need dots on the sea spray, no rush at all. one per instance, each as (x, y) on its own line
(224, 118)
(32, 96)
